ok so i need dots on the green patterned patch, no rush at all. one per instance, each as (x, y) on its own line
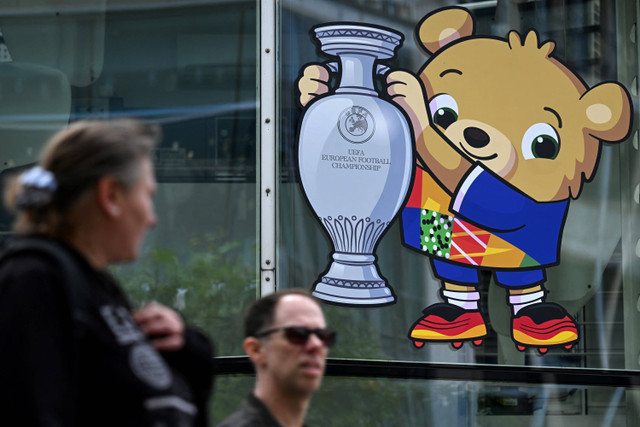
(435, 233)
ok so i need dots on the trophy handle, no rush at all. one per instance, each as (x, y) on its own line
(333, 67)
(381, 69)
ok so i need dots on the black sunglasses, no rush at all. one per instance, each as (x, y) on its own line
(299, 335)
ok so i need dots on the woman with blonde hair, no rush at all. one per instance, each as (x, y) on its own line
(73, 352)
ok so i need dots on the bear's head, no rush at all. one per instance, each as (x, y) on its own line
(515, 108)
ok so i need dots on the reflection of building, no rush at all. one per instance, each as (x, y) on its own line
(194, 67)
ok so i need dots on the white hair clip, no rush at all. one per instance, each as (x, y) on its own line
(37, 186)
(38, 177)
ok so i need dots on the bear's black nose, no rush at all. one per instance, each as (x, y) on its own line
(476, 137)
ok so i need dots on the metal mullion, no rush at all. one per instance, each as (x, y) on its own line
(267, 146)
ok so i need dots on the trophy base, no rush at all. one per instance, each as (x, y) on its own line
(353, 279)
(344, 295)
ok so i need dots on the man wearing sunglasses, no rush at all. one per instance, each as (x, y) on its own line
(287, 340)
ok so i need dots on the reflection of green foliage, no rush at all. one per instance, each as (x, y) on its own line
(347, 402)
(357, 337)
(230, 391)
(210, 288)
(353, 402)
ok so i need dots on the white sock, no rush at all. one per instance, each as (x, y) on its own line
(465, 300)
(518, 302)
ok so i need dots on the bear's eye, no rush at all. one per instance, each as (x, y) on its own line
(444, 110)
(540, 141)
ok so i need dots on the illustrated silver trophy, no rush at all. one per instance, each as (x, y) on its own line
(355, 158)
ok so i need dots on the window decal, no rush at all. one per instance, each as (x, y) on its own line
(470, 194)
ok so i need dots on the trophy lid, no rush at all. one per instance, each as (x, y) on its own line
(380, 42)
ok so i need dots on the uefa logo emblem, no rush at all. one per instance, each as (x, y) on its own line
(356, 125)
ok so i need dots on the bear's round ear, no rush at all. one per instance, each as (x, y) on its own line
(607, 109)
(443, 26)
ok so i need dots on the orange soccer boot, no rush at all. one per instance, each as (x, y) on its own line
(544, 325)
(448, 323)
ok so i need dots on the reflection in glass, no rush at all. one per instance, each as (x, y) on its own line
(189, 66)
(588, 282)
(346, 402)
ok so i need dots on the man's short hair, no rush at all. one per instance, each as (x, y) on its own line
(260, 315)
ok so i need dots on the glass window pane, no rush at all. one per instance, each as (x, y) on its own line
(193, 69)
(344, 401)
(190, 67)
(592, 284)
